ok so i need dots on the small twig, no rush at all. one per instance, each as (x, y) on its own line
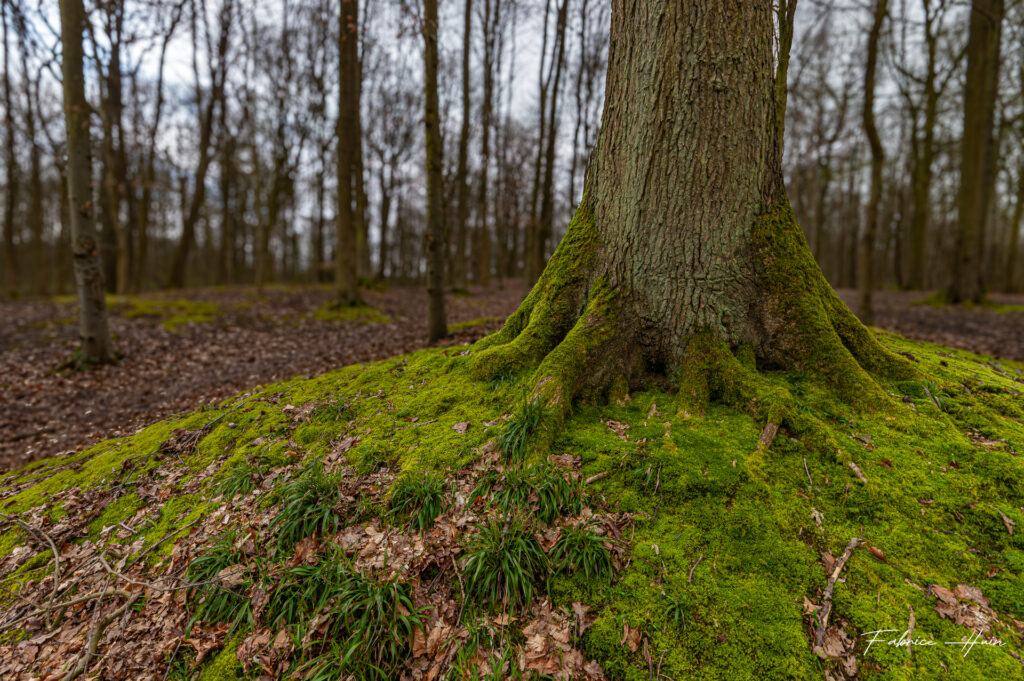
(94, 638)
(810, 483)
(53, 547)
(597, 476)
(689, 577)
(826, 608)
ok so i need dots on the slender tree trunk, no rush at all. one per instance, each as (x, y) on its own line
(385, 218)
(547, 202)
(684, 258)
(92, 311)
(1013, 252)
(459, 269)
(786, 13)
(36, 210)
(438, 327)
(977, 149)
(11, 282)
(346, 254)
(865, 269)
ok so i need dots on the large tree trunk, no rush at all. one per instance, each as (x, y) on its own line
(346, 254)
(438, 327)
(977, 149)
(684, 258)
(92, 311)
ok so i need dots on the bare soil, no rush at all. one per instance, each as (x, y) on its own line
(253, 338)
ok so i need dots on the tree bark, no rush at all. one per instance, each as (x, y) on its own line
(11, 282)
(866, 261)
(92, 312)
(346, 254)
(459, 269)
(977, 149)
(684, 259)
(435, 204)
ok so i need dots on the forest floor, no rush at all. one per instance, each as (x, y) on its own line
(183, 349)
(188, 348)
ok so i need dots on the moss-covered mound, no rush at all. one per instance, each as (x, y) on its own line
(393, 521)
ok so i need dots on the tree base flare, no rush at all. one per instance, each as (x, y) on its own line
(577, 333)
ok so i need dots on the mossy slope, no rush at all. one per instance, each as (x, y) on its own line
(728, 550)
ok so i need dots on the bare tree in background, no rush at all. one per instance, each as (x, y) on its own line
(977, 150)
(346, 255)
(865, 273)
(436, 248)
(92, 312)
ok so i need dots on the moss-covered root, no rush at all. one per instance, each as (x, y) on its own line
(572, 365)
(808, 327)
(550, 311)
(712, 373)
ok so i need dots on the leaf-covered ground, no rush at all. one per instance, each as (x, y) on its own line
(382, 521)
(185, 348)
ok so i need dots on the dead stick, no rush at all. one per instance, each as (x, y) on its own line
(826, 608)
(94, 638)
(689, 577)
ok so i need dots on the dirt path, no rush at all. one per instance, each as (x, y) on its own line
(250, 339)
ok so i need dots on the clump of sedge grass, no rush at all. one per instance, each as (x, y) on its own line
(308, 506)
(215, 600)
(513, 439)
(539, 488)
(582, 549)
(419, 498)
(504, 563)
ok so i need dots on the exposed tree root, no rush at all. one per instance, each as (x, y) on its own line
(573, 331)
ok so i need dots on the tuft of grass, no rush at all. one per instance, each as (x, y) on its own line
(504, 563)
(335, 410)
(420, 498)
(240, 481)
(217, 601)
(517, 431)
(308, 506)
(540, 488)
(582, 549)
(368, 623)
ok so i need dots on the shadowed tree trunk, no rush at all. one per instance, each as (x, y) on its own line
(346, 254)
(684, 259)
(866, 261)
(435, 204)
(92, 311)
(462, 210)
(11, 161)
(977, 149)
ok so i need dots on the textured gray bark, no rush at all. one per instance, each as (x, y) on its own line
(684, 259)
(686, 161)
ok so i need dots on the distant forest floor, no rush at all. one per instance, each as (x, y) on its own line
(193, 347)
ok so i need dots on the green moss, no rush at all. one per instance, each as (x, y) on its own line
(702, 487)
(225, 666)
(364, 314)
(472, 324)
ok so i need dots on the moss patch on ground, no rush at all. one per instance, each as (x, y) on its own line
(364, 314)
(728, 562)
